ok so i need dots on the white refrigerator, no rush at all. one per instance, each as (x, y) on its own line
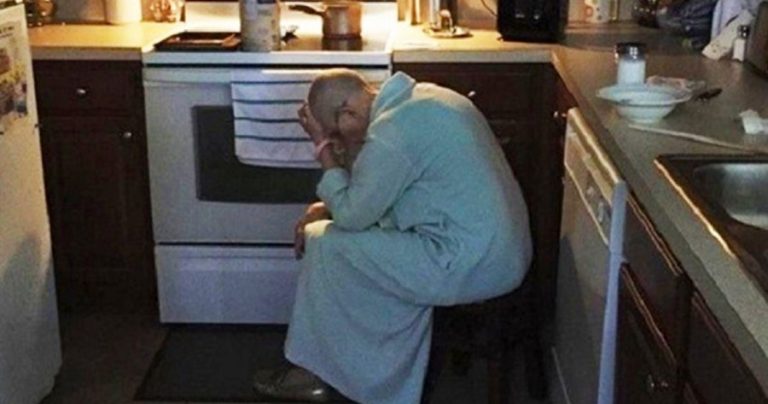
(30, 349)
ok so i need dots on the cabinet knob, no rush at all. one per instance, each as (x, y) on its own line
(653, 386)
(127, 135)
(558, 115)
(471, 94)
(81, 91)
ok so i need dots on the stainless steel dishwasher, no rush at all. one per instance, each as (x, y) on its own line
(591, 237)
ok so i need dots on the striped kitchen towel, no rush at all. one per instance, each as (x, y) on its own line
(267, 130)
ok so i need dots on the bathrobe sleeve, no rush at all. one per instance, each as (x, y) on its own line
(379, 176)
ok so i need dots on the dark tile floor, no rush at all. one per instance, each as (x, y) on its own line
(107, 355)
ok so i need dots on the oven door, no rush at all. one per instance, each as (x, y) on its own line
(201, 193)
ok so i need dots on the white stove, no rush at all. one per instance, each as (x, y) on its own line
(224, 230)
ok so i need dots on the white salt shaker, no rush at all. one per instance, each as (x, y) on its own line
(122, 11)
(630, 60)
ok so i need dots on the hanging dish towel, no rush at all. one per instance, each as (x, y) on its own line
(267, 130)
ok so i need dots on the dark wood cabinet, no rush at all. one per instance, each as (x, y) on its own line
(715, 370)
(671, 348)
(646, 372)
(664, 286)
(94, 157)
(519, 102)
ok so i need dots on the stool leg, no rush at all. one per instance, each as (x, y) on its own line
(498, 378)
(534, 367)
(434, 367)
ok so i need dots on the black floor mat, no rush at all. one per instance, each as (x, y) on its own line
(213, 363)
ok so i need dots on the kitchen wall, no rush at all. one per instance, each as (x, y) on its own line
(471, 12)
(89, 10)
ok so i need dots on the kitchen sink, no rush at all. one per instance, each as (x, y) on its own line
(730, 192)
(739, 188)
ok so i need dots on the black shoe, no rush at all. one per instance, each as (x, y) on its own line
(293, 383)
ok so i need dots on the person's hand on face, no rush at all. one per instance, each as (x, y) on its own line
(311, 125)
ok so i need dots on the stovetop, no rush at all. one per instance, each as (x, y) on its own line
(190, 41)
(303, 44)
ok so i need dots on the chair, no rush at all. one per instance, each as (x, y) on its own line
(490, 329)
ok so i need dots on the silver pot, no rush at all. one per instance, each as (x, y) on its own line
(341, 19)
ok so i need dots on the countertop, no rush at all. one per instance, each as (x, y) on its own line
(737, 301)
(97, 41)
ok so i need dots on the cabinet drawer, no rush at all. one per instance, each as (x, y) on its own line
(645, 372)
(715, 369)
(663, 284)
(87, 87)
(496, 89)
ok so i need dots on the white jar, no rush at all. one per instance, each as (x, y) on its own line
(122, 11)
(260, 25)
(630, 61)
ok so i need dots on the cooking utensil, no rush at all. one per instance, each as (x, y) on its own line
(341, 19)
(709, 94)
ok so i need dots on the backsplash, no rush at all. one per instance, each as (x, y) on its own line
(472, 13)
(89, 10)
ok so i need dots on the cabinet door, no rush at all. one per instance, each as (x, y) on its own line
(645, 373)
(716, 371)
(518, 101)
(96, 185)
(665, 287)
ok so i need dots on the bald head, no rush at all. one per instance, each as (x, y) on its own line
(331, 90)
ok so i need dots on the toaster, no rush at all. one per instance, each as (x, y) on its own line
(757, 45)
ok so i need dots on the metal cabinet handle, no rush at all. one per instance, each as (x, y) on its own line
(654, 386)
(127, 135)
(504, 140)
(471, 94)
(81, 91)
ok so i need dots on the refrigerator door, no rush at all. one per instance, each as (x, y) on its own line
(30, 353)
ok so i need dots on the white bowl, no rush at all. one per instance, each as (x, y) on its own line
(644, 103)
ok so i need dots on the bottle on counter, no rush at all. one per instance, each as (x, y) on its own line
(122, 11)
(630, 61)
(260, 25)
(740, 43)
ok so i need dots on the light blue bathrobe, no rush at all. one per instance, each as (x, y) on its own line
(430, 215)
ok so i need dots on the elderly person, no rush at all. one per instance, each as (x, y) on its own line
(428, 214)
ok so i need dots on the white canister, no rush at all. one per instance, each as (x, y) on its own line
(260, 25)
(597, 11)
(122, 11)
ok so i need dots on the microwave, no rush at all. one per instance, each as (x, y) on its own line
(531, 20)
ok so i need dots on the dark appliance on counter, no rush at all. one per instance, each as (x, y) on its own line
(531, 20)
(757, 47)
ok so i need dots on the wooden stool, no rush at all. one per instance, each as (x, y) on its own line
(490, 329)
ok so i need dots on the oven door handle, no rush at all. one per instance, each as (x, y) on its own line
(164, 77)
